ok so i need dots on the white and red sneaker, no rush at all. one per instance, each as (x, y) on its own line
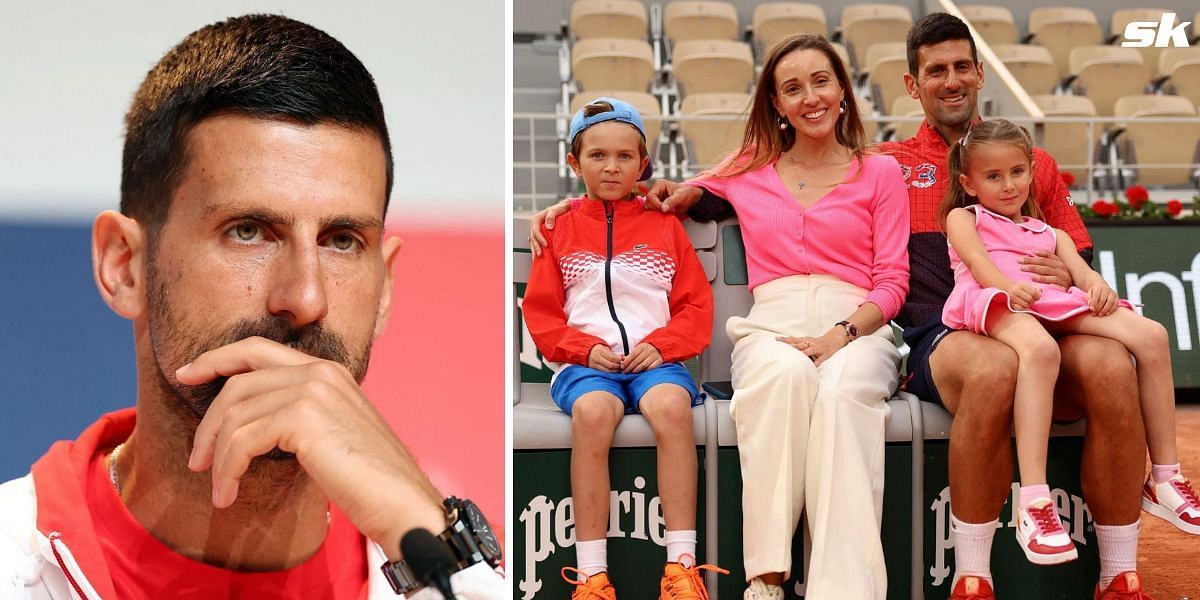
(1041, 534)
(1173, 501)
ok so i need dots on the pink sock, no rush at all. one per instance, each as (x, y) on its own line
(1161, 473)
(1118, 550)
(1029, 493)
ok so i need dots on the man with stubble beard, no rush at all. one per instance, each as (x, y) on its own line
(250, 256)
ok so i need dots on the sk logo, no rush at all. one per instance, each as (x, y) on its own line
(1143, 34)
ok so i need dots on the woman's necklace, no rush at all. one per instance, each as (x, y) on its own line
(116, 479)
(803, 182)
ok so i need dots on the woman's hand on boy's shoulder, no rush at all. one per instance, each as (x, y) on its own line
(669, 196)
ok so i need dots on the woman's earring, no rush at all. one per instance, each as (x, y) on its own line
(842, 108)
(783, 123)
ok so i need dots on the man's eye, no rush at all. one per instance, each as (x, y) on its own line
(343, 242)
(246, 232)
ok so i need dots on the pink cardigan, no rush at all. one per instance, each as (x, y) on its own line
(857, 232)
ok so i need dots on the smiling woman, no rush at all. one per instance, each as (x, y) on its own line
(251, 257)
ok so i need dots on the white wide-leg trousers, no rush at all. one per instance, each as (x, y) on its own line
(812, 436)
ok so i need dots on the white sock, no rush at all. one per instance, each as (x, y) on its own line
(972, 548)
(1118, 550)
(679, 543)
(591, 556)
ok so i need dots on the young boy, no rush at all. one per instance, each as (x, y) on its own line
(617, 300)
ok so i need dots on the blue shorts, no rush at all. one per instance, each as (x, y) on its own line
(922, 340)
(576, 380)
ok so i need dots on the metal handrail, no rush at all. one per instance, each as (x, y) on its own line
(670, 164)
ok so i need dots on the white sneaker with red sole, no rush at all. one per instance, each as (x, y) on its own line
(1173, 501)
(1041, 534)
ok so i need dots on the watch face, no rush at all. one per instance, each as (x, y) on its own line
(487, 539)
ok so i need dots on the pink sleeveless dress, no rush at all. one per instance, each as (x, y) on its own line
(1006, 242)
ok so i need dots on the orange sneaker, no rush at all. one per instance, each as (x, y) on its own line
(1126, 586)
(970, 587)
(685, 583)
(590, 586)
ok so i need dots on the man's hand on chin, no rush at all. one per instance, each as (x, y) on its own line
(277, 396)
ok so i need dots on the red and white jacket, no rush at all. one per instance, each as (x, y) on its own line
(615, 274)
(50, 548)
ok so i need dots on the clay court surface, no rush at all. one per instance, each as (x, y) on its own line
(1168, 559)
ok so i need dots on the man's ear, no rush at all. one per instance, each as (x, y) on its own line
(910, 84)
(391, 249)
(118, 263)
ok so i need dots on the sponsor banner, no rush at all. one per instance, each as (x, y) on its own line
(1159, 267)
(544, 516)
(1016, 576)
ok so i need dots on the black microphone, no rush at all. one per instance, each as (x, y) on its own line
(429, 559)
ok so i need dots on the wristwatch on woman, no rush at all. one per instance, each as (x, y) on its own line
(850, 328)
(467, 535)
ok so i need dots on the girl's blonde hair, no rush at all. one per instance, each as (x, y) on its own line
(992, 131)
(764, 141)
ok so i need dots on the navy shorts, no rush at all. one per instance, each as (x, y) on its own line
(922, 340)
(576, 380)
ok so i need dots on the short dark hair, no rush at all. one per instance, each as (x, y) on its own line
(933, 29)
(262, 66)
(593, 109)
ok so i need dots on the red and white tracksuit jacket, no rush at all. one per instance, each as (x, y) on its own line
(49, 548)
(616, 274)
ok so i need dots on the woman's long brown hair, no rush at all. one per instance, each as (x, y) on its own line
(764, 141)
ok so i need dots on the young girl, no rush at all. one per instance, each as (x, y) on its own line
(991, 221)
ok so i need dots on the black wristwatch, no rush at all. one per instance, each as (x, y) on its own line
(851, 329)
(467, 535)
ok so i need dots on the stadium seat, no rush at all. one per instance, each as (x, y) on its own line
(1181, 68)
(866, 24)
(712, 141)
(906, 106)
(608, 19)
(1123, 16)
(1032, 65)
(845, 55)
(774, 21)
(646, 104)
(700, 20)
(1159, 143)
(866, 110)
(1105, 73)
(703, 66)
(1061, 28)
(1067, 143)
(612, 64)
(886, 64)
(994, 23)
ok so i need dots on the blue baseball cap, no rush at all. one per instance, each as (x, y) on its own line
(623, 112)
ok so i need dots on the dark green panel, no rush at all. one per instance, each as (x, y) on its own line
(1166, 259)
(544, 523)
(896, 527)
(734, 261)
(1014, 575)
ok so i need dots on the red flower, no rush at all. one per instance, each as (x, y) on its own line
(1137, 196)
(1067, 178)
(1174, 207)
(1104, 208)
